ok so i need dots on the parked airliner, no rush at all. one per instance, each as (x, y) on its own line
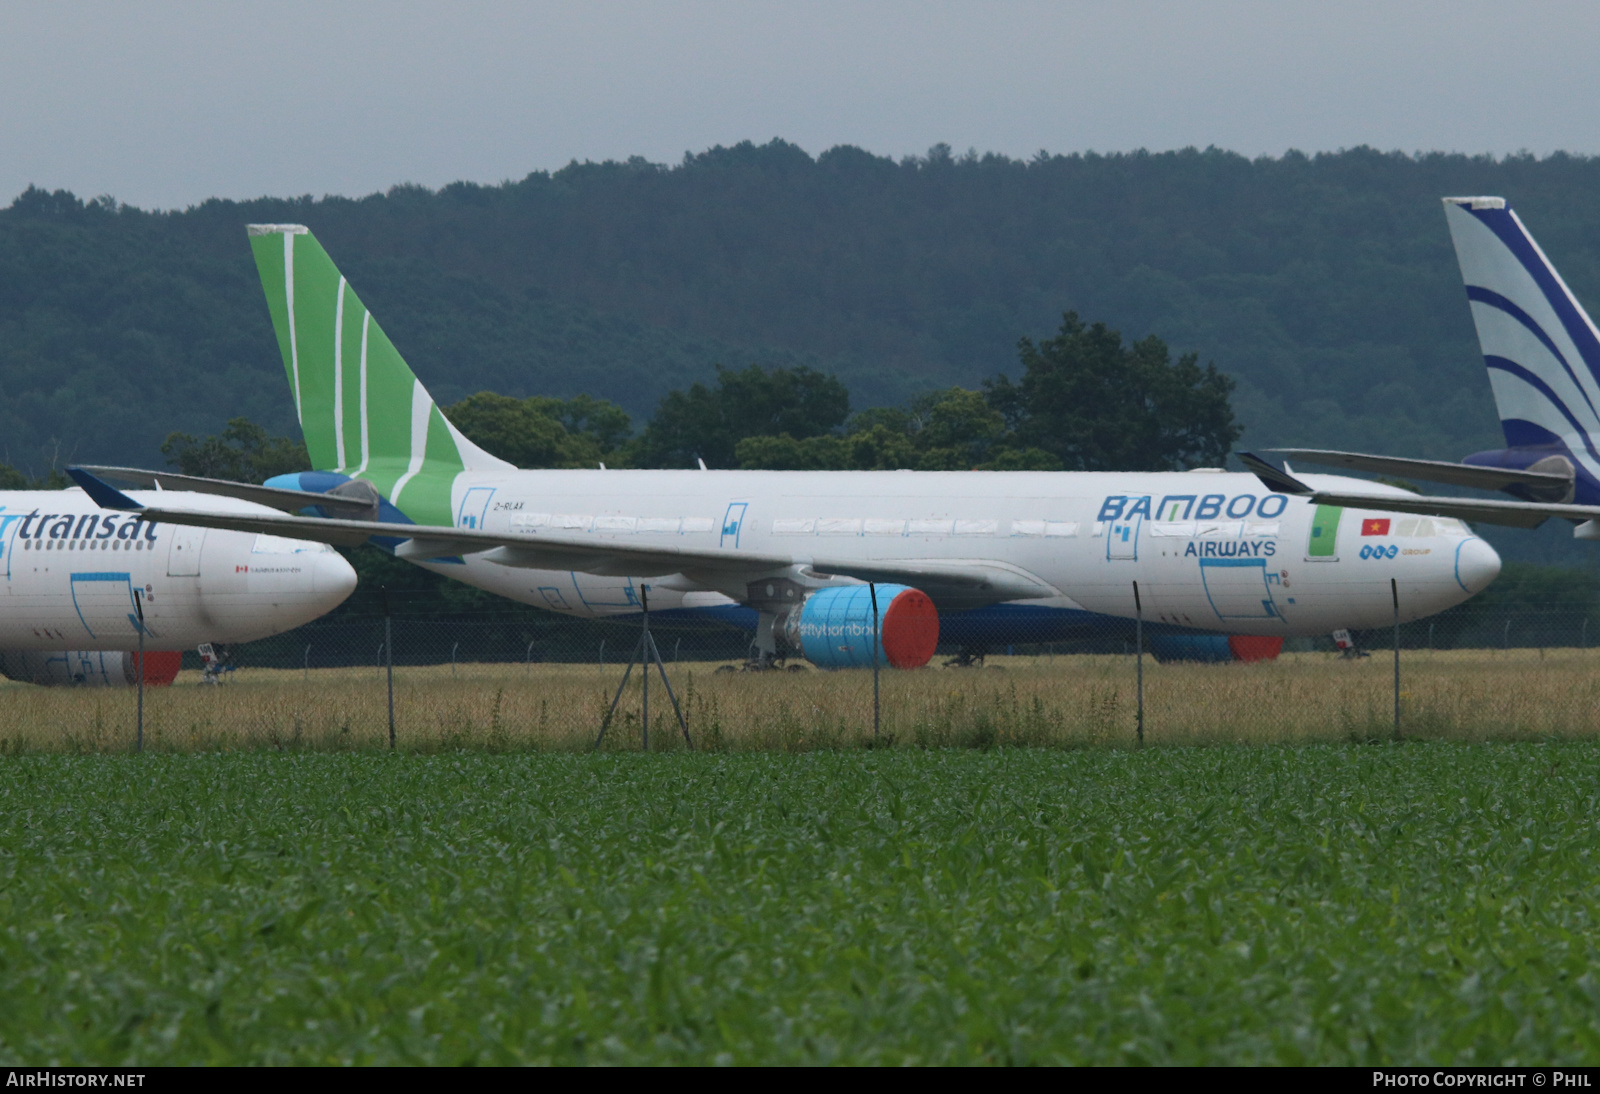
(71, 573)
(967, 557)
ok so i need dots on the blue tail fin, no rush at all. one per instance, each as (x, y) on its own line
(1541, 348)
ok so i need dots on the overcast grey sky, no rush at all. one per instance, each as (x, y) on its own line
(163, 104)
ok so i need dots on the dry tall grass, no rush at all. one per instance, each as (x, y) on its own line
(1063, 701)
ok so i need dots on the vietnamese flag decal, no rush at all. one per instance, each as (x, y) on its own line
(1375, 526)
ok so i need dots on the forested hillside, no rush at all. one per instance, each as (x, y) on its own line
(1324, 285)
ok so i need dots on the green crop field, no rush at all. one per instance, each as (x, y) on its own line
(1322, 904)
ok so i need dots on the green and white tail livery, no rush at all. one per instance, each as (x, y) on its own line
(363, 411)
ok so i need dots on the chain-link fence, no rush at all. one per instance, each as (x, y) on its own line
(544, 681)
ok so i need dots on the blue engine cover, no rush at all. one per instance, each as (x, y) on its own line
(835, 627)
(1191, 647)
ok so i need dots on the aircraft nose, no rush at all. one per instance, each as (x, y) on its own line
(334, 579)
(1477, 564)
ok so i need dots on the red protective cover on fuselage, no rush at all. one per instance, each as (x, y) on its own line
(910, 630)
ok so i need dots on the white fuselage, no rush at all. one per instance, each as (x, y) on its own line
(1210, 550)
(69, 570)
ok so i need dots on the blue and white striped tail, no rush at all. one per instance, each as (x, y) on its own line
(1541, 348)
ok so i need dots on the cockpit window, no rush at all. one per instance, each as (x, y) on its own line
(1424, 527)
(278, 545)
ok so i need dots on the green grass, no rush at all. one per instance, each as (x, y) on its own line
(1331, 904)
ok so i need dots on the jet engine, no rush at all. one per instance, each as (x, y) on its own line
(833, 627)
(89, 668)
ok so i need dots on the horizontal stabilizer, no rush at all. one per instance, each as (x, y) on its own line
(1452, 474)
(355, 508)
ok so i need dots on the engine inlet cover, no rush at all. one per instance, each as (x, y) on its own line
(834, 628)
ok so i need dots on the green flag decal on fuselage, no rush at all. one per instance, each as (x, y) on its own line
(362, 410)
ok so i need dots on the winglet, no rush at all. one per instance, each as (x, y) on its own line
(1277, 481)
(101, 492)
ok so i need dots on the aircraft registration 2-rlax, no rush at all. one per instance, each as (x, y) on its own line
(970, 558)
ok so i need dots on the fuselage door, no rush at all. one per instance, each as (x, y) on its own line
(732, 522)
(1239, 588)
(1323, 543)
(104, 602)
(183, 556)
(474, 506)
(1122, 534)
(8, 536)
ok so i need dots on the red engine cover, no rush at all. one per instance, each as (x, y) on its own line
(160, 667)
(1255, 647)
(910, 630)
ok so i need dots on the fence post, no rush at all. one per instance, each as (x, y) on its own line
(676, 646)
(388, 657)
(527, 660)
(307, 666)
(872, 591)
(644, 659)
(1505, 637)
(1394, 591)
(138, 606)
(1430, 637)
(453, 650)
(1584, 641)
(1138, 641)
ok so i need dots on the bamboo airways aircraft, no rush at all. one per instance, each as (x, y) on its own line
(976, 558)
(79, 584)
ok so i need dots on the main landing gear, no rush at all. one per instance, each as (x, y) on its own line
(968, 657)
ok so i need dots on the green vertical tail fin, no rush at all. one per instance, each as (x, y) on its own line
(363, 411)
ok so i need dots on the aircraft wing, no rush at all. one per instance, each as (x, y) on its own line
(953, 584)
(1515, 514)
(1453, 474)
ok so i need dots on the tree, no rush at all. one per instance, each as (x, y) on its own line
(242, 452)
(950, 430)
(709, 423)
(606, 422)
(876, 449)
(954, 430)
(522, 431)
(543, 432)
(1097, 405)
